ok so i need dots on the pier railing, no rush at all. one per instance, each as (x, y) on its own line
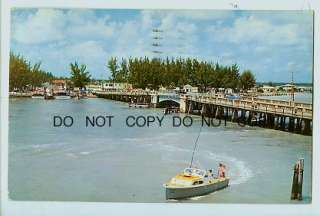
(124, 93)
(288, 108)
(278, 107)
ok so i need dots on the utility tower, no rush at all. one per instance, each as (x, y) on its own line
(157, 42)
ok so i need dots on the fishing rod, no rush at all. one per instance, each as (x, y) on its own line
(195, 145)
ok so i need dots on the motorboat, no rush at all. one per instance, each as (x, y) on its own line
(62, 96)
(37, 96)
(139, 105)
(193, 182)
(48, 96)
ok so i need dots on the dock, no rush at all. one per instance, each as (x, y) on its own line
(274, 114)
(287, 116)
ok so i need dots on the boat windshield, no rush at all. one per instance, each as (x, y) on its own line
(194, 172)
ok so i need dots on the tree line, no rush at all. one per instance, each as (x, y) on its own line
(25, 76)
(153, 73)
(141, 72)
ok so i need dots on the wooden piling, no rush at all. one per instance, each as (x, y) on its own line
(234, 117)
(297, 181)
(298, 126)
(291, 124)
(307, 127)
(283, 123)
(249, 122)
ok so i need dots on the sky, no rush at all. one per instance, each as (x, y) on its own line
(272, 44)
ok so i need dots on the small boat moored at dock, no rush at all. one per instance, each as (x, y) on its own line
(37, 96)
(62, 96)
(193, 182)
(48, 96)
(169, 110)
(139, 105)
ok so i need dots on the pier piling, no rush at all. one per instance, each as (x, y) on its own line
(297, 181)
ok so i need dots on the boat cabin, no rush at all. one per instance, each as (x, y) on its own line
(194, 172)
(189, 177)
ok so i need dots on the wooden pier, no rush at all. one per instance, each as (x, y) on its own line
(274, 114)
(280, 115)
(128, 97)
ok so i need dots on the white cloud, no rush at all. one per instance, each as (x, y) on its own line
(50, 25)
(188, 14)
(43, 26)
(252, 29)
(58, 37)
(84, 24)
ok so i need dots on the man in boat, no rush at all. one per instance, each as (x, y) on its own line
(209, 174)
(221, 171)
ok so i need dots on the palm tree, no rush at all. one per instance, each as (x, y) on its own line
(247, 80)
(113, 67)
(24, 75)
(79, 75)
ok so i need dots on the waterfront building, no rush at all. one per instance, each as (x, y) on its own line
(114, 86)
(190, 89)
(228, 91)
(268, 89)
(253, 90)
(304, 88)
(94, 87)
(162, 89)
(59, 85)
(287, 87)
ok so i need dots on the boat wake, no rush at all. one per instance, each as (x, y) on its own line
(197, 197)
(239, 172)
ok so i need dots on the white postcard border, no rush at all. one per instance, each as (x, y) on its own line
(18, 208)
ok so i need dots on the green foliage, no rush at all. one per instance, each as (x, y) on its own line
(113, 67)
(123, 73)
(247, 80)
(153, 73)
(23, 76)
(79, 75)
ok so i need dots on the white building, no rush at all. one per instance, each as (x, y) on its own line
(286, 87)
(113, 86)
(304, 88)
(190, 89)
(228, 91)
(94, 87)
(267, 89)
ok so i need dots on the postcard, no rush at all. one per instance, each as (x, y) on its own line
(171, 106)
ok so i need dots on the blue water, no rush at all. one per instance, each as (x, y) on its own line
(122, 164)
(299, 97)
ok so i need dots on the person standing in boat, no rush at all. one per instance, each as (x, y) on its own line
(221, 171)
(209, 174)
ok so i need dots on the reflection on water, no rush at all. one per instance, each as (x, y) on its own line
(131, 164)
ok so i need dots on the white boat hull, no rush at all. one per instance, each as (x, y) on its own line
(196, 190)
(139, 105)
(62, 97)
(37, 97)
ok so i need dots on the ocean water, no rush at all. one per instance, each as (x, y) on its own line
(130, 164)
(299, 97)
